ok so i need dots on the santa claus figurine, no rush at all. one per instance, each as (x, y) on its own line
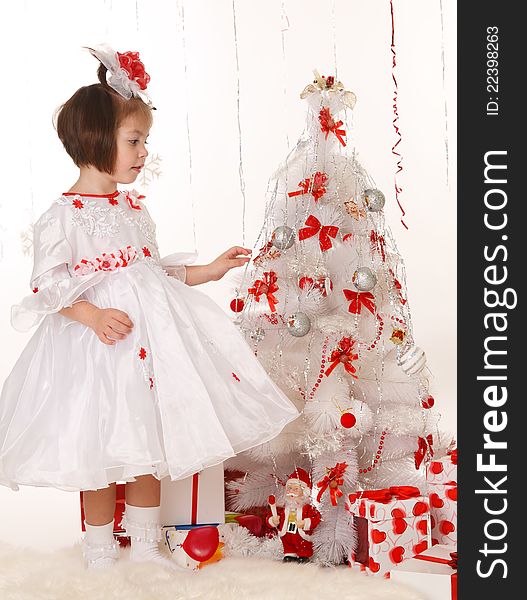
(297, 519)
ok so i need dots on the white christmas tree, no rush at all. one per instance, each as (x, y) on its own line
(325, 307)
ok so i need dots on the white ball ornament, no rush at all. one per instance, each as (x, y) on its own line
(283, 237)
(413, 360)
(373, 200)
(364, 279)
(298, 324)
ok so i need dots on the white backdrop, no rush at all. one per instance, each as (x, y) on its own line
(44, 64)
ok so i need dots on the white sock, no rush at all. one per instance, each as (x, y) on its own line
(100, 549)
(142, 524)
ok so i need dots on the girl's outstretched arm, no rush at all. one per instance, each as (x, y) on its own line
(109, 324)
(196, 274)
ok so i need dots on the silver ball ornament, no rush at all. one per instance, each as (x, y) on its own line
(364, 279)
(283, 237)
(373, 200)
(298, 324)
(412, 361)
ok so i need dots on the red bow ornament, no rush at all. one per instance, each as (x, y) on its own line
(343, 354)
(358, 300)
(325, 232)
(328, 124)
(266, 287)
(332, 481)
(130, 199)
(424, 450)
(317, 188)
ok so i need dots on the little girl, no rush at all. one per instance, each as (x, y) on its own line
(132, 375)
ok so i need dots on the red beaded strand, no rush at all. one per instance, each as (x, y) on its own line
(377, 458)
(320, 374)
(379, 333)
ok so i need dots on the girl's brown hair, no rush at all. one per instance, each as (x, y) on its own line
(87, 123)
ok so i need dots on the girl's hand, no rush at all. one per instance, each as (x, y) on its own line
(228, 260)
(110, 324)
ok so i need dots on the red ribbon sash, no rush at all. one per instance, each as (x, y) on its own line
(194, 509)
(386, 495)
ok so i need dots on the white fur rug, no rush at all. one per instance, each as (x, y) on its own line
(28, 575)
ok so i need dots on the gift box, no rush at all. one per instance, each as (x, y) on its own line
(433, 573)
(193, 547)
(441, 477)
(392, 525)
(442, 471)
(199, 499)
(443, 514)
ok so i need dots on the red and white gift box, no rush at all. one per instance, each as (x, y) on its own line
(443, 471)
(196, 500)
(441, 476)
(432, 573)
(392, 525)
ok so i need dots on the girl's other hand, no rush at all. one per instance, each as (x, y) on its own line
(110, 325)
(228, 260)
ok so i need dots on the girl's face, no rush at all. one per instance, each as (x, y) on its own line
(131, 149)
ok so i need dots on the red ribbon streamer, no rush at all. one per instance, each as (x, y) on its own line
(358, 300)
(325, 232)
(386, 495)
(194, 510)
(335, 474)
(266, 287)
(424, 449)
(396, 118)
(343, 354)
(379, 241)
(329, 125)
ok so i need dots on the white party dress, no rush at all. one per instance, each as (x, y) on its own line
(181, 392)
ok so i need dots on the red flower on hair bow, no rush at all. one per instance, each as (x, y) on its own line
(328, 124)
(266, 287)
(358, 300)
(130, 199)
(317, 188)
(424, 450)
(333, 480)
(325, 232)
(343, 353)
(135, 69)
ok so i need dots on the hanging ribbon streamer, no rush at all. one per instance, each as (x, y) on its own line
(181, 11)
(240, 169)
(398, 189)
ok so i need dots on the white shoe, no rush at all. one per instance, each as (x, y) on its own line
(142, 524)
(99, 547)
